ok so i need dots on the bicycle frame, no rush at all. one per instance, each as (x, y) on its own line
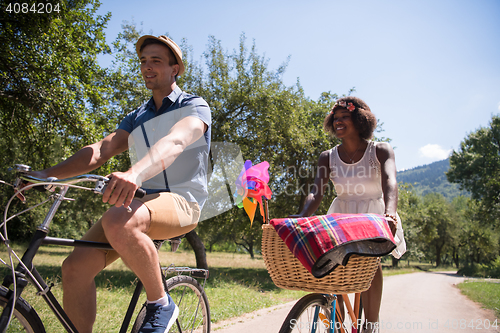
(353, 313)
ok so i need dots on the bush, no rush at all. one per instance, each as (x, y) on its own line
(491, 270)
(494, 268)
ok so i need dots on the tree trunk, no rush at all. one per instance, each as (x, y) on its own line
(394, 262)
(438, 255)
(248, 246)
(250, 250)
(199, 249)
(455, 257)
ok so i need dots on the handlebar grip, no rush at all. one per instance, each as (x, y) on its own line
(139, 193)
(39, 188)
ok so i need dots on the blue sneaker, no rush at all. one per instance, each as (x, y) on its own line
(159, 318)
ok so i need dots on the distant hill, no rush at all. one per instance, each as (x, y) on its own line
(431, 178)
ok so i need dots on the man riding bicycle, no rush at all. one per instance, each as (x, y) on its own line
(169, 140)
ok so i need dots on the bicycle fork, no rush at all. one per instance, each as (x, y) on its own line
(321, 318)
(331, 325)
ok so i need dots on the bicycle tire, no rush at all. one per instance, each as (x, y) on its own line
(300, 319)
(25, 318)
(194, 310)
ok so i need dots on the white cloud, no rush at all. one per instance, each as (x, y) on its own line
(498, 106)
(435, 152)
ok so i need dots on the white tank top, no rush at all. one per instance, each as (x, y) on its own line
(358, 185)
(359, 189)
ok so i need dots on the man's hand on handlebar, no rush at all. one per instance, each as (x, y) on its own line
(120, 189)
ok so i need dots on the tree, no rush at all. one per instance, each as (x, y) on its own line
(437, 225)
(52, 95)
(478, 240)
(409, 210)
(460, 205)
(127, 85)
(50, 79)
(476, 167)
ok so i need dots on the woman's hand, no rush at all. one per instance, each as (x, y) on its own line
(393, 223)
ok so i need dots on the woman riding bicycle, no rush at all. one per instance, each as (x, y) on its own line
(364, 175)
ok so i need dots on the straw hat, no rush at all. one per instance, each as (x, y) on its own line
(176, 50)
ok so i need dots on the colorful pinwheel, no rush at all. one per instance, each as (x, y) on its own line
(251, 186)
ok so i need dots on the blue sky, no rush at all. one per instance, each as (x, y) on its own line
(428, 69)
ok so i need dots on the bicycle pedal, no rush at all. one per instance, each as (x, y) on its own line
(174, 244)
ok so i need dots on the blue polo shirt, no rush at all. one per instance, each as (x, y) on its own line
(187, 175)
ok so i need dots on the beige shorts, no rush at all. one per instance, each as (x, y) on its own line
(171, 216)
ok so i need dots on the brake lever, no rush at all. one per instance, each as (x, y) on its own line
(22, 169)
(100, 187)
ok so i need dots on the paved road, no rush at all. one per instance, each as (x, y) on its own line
(412, 303)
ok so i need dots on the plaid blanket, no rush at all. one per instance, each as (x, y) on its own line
(321, 243)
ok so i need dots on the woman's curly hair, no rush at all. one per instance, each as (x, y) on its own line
(362, 117)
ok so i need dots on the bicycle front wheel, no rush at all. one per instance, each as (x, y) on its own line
(194, 311)
(24, 318)
(310, 314)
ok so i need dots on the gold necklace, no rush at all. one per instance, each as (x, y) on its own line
(351, 158)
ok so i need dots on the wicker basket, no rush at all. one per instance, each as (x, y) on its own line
(287, 272)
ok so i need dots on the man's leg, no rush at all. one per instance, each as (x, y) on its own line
(161, 216)
(79, 299)
(126, 232)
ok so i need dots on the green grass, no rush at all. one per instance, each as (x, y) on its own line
(486, 293)
(237, 285)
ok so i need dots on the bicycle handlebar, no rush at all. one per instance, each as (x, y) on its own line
(69, 181)
(99, 188)
(51, 183)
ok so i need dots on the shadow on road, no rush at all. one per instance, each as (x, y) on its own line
(452, 274)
